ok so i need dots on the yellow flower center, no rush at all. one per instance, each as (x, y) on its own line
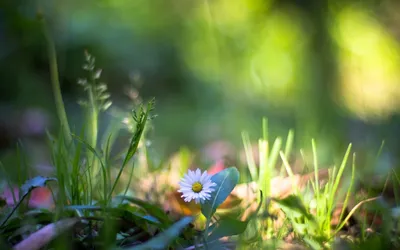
(197, 187)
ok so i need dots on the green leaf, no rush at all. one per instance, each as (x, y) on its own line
(312, 243)
(226, 181)
(294, 205)
(162, 240)
(227, 227)
(150, 208)
(127, 212)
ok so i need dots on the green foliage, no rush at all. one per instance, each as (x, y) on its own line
(315, 229)
(154, 210)
(85, 187)
(162, 240)
(141, 119)
(267, 169)
(82, 191)
(226, 181)
(295, 206)
(227, 226)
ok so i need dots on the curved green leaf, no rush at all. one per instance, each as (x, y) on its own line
(227, 227)
(294, 205)
(152, 209)
(226, 181)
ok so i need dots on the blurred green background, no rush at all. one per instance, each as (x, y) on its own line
(328, 69)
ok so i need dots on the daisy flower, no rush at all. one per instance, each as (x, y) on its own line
(196, 186)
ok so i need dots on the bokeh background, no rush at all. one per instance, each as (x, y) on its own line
(328, 69)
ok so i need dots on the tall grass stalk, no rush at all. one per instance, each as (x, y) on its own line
(55, 82)
(346, 200)
(316, 172)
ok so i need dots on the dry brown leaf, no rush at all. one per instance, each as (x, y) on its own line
(46, 234)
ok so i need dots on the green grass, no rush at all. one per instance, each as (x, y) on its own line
(308, 212)
(84, 187)
(87, 187)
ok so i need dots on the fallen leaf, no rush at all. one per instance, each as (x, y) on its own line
(43, 236)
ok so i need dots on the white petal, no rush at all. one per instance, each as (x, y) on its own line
(192, 175)
(188, 178)
(207, 178)
(203, 177)
(184, 184)
(198, 174)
